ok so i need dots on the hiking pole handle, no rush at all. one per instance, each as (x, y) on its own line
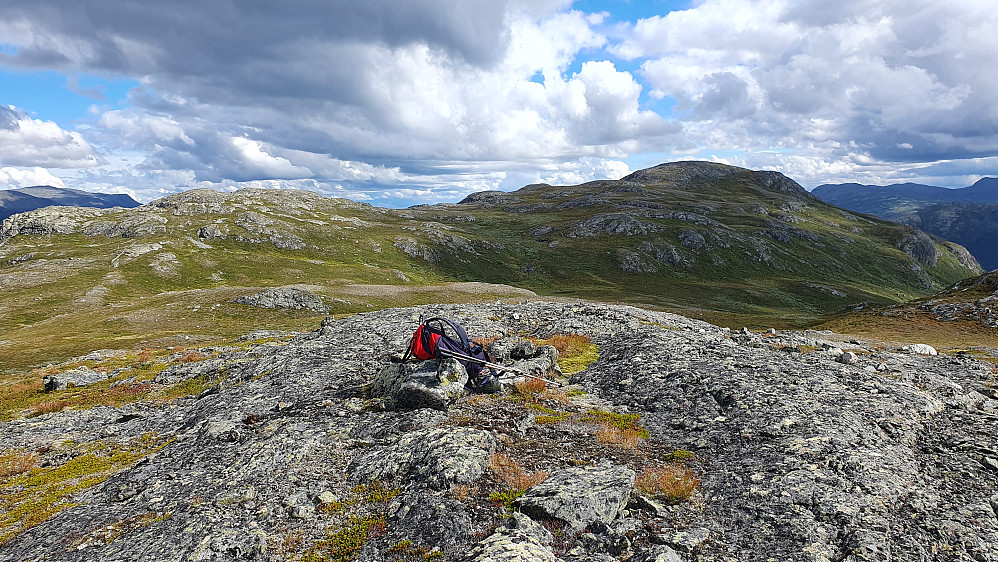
(484, 363)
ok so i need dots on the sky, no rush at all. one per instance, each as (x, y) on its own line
(424, 101)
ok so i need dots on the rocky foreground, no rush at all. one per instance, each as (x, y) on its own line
(803, 452)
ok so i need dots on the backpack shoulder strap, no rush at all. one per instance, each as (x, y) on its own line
(465, 342)
(440, 325)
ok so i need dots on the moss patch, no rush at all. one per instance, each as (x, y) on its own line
(29, 498)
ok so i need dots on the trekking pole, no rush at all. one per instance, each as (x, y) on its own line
(497, 367)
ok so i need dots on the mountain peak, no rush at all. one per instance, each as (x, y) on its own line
(683, 172)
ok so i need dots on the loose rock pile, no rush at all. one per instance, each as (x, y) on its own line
(800, 457)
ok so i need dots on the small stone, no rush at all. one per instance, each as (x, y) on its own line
(921, 349)
(644, 503)
(848, 358)
(326, 497)
(662, 553)
(686, 541)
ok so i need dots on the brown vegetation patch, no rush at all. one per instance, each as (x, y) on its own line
(508, 471)
(673, 483)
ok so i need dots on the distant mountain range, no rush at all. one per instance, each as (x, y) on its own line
(21, 200)
(967, 216)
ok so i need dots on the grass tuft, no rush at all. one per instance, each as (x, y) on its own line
(673, 483)
(13, 463)
(30, 497)
(529, 389)
(508, 472)
(626, 438)
(344, 543)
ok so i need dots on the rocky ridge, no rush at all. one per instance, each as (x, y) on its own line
(680, 236)
(800, 456)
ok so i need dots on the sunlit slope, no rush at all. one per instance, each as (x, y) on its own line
(724, 243)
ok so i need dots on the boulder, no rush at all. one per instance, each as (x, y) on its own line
(429, 384)
(426, 518)
(684, 541)
(921, 349)
(81, 376)
(848, 358)
(544, 363)
(433, 385)
(658, 553)
(511, 545)
(519, 538)
(580, 496)
(288, 298)
(513, 348)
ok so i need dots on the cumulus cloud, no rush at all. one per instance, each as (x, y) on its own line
(337, 103)
(893, 82)
(32, 142)
(433, 97)
(12, 177)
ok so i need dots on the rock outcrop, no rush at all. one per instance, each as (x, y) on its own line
(288, 298)
(278, 453)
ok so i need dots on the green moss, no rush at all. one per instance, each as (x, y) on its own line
(624, 422)
(190, 387)
(681, 455)
(578, 360)
(378, 492)
(30, 498)
(344, 543)
(505, 498)
(543, 409)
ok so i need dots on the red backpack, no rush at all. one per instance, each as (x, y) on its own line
(431, 336)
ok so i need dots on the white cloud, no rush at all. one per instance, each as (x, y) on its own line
(32, 142)
(446, 96)
(256, 162)
(868, 84)
(28, 177)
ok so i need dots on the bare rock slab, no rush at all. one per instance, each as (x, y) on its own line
(437, 457)
(82, 376)
(580, 496)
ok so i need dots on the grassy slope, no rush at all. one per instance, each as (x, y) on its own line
(867, 269)
(72, 296)
(909, 322)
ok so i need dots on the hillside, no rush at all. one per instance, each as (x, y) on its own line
(676, 441)
(963, 316)
(21, 200)
(967, 216)
(972, 225)
(724, 243)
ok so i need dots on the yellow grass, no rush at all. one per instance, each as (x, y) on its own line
(673, 483)
(509, 472)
